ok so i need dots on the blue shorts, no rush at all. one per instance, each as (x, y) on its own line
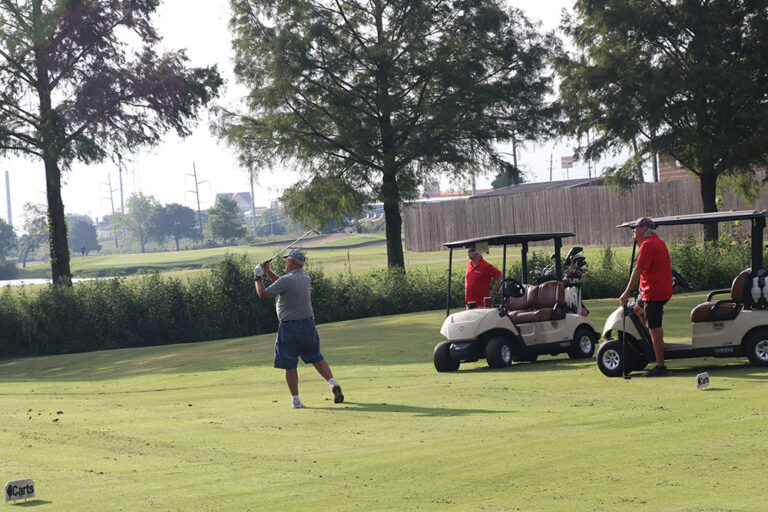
(294, 339)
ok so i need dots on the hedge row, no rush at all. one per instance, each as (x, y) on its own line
(155, 310)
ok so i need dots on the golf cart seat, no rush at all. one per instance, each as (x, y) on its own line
(728, 309)
(540, 303)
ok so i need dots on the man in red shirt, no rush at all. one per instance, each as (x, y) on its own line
(654, 272)
(478, 277)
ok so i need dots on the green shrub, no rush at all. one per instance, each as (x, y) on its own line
(710, 265)
(606, 277)
(8, 270)
(156, 310)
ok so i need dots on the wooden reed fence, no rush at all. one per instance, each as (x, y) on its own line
(591, 212)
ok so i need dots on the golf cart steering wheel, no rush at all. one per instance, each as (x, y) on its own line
(513, 288)
(678, 280)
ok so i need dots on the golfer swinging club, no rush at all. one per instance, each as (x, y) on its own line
(296, 335)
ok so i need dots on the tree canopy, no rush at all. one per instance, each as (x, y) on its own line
(74, 89)
(303, 201)
(137, 220)
(175, 221)
(82, 234)
(685, 78)
(35, 230)
(386, 95)
(7, 239)
(225, 220)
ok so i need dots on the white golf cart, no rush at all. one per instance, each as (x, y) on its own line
(733, 327)
(548, 318)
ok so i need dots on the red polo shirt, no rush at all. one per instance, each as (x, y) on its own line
(656, 277)
(478, 281)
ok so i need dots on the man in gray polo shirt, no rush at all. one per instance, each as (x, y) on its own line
(296, 334)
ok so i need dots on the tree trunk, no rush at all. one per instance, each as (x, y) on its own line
(708, 183)
(57, 225)
(393, 222)
(177, 243)
(27, 249)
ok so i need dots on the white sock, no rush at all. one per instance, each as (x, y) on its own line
(295, 398)
(332, 382)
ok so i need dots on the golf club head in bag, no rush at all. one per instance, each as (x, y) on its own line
(573, 252)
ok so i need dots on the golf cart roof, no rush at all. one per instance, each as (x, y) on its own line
(516, 238)
(702, 218)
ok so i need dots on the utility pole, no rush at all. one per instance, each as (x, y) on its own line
(120, 174)
(8, 197)
(112, 204)
(550, 167)
(197, 194)
(253, 207)
(589, 161)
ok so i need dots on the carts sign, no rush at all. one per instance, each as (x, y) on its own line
(702, 380)
(19, 490)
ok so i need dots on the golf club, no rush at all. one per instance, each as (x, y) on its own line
(624, 344)
(258, 270)
(624, 322)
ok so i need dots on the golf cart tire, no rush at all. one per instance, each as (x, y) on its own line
(583, 343)
(498, 352)
(610, 355)
(443, 360)
(756, 347)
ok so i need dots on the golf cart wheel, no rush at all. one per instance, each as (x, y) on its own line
(443, 360)
(756, 347)
(583, 344)
(498, 352)
(610, 357)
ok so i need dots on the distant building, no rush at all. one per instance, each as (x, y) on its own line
(451, 194)
(672, 170)
(243, 200)
(527, 188)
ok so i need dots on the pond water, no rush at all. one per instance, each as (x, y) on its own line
(26, 282)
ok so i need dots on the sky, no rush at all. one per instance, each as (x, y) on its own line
(166, 171)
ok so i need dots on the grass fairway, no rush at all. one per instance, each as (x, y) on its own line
(208, 426)
(351, 254)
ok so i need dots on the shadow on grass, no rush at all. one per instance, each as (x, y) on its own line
(31, 503)
(742, 370)
(545, 365)
(409, 409)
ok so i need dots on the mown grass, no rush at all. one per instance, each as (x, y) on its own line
(208, 426)
(329, 257)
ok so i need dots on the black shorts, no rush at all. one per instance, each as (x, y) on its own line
(654, 311)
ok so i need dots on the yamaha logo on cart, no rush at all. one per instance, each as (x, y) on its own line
(19, 490)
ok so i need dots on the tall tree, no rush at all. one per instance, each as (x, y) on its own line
(74, 89)
(82, 233)
(225, 221)
(386, 95)
(175, 221)
(687, 78)
(8, 239)
(137, 220)
(35, 230)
